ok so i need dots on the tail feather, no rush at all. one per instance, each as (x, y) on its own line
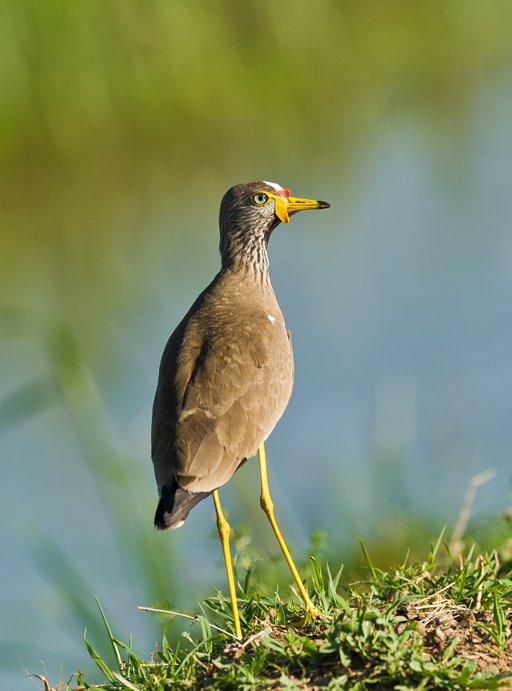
(175, 504)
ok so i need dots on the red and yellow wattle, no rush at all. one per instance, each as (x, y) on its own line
(283, 204)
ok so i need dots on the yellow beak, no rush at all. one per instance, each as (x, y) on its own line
(285, 205)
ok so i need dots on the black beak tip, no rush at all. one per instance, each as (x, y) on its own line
(324, 205)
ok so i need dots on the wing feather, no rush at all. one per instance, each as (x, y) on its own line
(223, 385)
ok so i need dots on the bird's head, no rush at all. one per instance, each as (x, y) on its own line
(249, 212)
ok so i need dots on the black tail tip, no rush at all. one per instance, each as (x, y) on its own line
(159, 516)
(164, 520)
(174, 506)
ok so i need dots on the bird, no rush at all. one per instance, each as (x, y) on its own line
(226, 373)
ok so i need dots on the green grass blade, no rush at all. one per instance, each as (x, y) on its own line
(435, 549)
(192, 653)
(317, 576)
(112, 640)
(368, 561)
(448, 552)
(97, 659)
(127, 684)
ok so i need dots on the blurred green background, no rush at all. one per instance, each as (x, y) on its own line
(122, 124)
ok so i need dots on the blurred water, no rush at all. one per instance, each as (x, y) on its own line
(398, 300)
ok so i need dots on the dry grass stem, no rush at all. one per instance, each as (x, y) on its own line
(184, 616)
(456, 544)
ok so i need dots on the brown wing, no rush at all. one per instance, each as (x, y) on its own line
(224, 382)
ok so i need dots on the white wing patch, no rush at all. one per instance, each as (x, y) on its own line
(274, 185)
(272, 319)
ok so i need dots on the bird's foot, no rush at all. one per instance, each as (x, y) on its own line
(312, 614)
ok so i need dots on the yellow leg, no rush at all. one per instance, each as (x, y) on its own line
(223, 528)
(268, 507)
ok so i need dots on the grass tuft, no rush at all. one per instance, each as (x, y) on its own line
(435, 624)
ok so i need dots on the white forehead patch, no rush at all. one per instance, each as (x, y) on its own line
(274, 185)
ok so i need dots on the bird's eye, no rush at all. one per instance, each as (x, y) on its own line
(260, 198)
